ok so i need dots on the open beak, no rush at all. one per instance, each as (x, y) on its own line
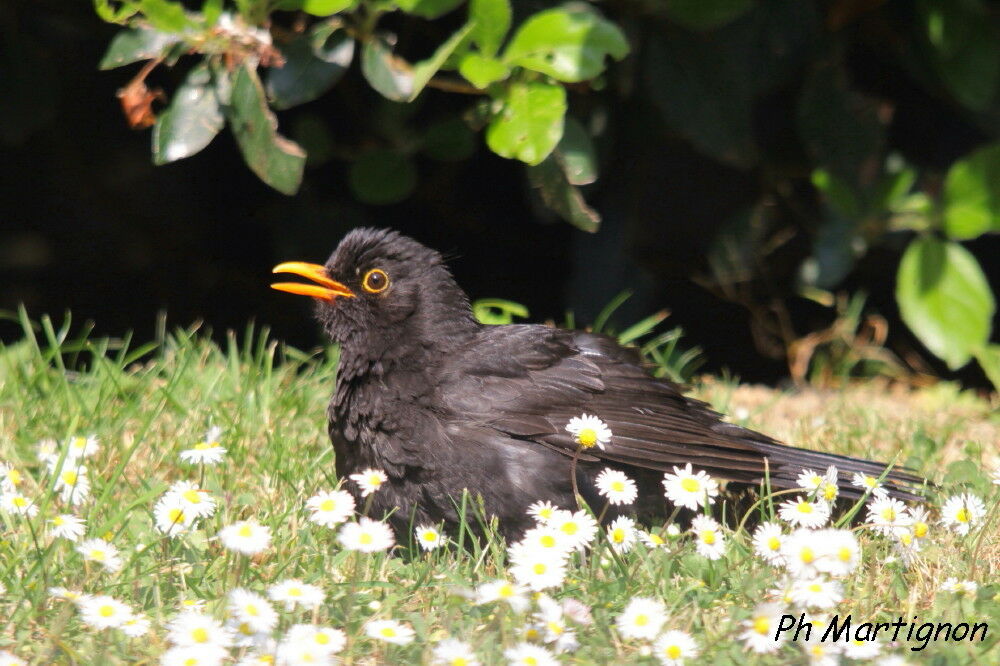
(325, 289)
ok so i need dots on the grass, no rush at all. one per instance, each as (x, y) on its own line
(148, 403)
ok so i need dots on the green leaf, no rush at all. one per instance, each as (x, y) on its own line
(963, 41)
(211, 10)
(304, 76)
(568, 44)
(496, 311)
(429, 9)
(166, 15)
(530, 124)
(989, 361)
(425, 69)
(481, 70)
(276, 160)
(382, 176)
(945, 299)
(448, 141)
(389, 75)
(135, 44)
(325, 7)
(558, 194)
(492, 21)
(972, 194)
(576, 153)
(191, 121)
(117, 12)
(705, 14)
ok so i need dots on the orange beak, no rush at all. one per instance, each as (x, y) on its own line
(325, 289)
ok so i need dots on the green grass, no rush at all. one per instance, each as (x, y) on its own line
(148, 403)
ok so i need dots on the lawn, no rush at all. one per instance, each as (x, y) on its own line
(145, 405)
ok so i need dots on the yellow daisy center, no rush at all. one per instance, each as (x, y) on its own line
(326, 505)
(555, 627)
(106, 611)
(774, 543)
(506, 591)
(962, 515)
(530, 661)
(888, 513)
(807, 555)
(388, 632)
(641, 620)
(252, 610)
(58, 521)
(587, 437)
(690, 485)
(920, 530)
(844, 554)
(539, 568)
(548, 541)
(246, 532)
(618, 486)
(199, 635)
(176, 515)
(570, 528)
(708, 536)
(295, 592)
(432, 536)
(79, 442)
(201, 446)
(69, 478)
(906, 538)
(870, 481)
(366, 539)
(816, 587)
(97, 555)
(323, 639)
(618, 535)
(673, 651)
(804, 507)
(656, 539)
(459, 661)
(20, 502)
(192, 496)
(374, 480)
(762, 625)
(245, 629)
(531, 634)
(191, 661)
(14, 477)
(829, 491)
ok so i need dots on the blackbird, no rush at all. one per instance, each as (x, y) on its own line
(442, 403)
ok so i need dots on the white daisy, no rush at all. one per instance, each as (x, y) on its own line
(839, 552)
(73, 485)
(195, 501)
(501, 590)
(861, 650)
(171, 516)
(996, 476)
(642, 618)
(194, 655)
(921, 522)
(822, 654)
(689, 489)
(191, 604)
(802, 512)
(537, 569)
(551, 625)
(253, 609)
(759, 630)
(324, 640)
(195, 629)
(616, 486)
(67, 526)
(869, 484)
(886, 513)
(589, 431)
(390, 631)
(102, 552)
(542, 511)
(767, 542)
(330, 507)
(366, 535)
(810, 480)
(801, 550)
(428, 536)
(710, 542)
(816, 593)
(453, 652)
(294, 592)
(18, 504)
(82, 447)
(545, 538)
(652, 539)
(621, 534)
(67, 595)
(246, 536)
(46, 451)
(10, 659)
(103, 612)
(962, 512)
(526, 654)
(906, 545)
(578, 528)
(674, 646)
(10, 478)
(243, 633)
(960, 587)
(369, 480)
(136, 625)
(207, 451)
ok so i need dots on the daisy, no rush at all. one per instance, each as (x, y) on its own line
(810, 480)
(330, 507)
(621, 534)
(686, 488)
(759, 630)
(46, 451)
(10, 659)
(197, 502)
(539, 570)
(366, 535)
(673, 647)
(10, 478)
(959, 587)
(255, 658)
(545, 538)
(324, 640)
(73, 485)
(253, 609)
(839, 552)
(651, 539)
(816, 593)
(906, 545)
(552, 627)
(244, 634)
(369, 480)
(642, 618)
(589, 431)
(82, 447)
(194, 655)
(191, 604)
(710, 541)
(886, 513)
(802, 512)
(103, 612)
(869, 484)
(67, 595)
(962, 512)
(195, 629)
(453, 652)
(526, 654)
(18, 504)
(390, 631)
(293, 591)
(921, 522)
(577, 611)
(500, 590)
(429, 537)
(616, 486)
(577, 528)
(67, 526)
(542, 511)
(171, 516)
(822, 654)
(996, 476)
(207, 452)
(102, 552)
(246, 536)
(862, 649)
(800, 551)
(136, 625)
(767, 542)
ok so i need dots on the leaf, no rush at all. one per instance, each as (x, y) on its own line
(576, 153)
(496, 311)
(429, 9)
(972, 194)
(964, 50)
(945, 299)
(191, 121)
(989, 361)
(304, 76)
(705, 14)
(530, 124)
(492, 21)
(568, 44)
(425, 69)
(135, 44)
(389, 75)
(276, 160)
(325, 7)
(562, 197)
(165, 15)
(115, 12)
(481, 70)
(382, 176)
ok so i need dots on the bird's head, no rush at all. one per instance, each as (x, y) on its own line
(380, 290)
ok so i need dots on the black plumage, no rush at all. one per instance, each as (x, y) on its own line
(442, 403)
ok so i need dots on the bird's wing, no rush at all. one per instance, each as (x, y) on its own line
(529, 381)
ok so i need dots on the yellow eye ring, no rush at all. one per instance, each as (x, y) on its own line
(375, 281)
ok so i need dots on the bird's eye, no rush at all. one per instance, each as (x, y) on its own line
(376, 281)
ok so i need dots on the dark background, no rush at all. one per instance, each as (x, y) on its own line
(89, 225)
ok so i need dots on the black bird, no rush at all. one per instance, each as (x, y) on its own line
(442, 403)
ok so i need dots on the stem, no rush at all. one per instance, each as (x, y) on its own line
(572, 475)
